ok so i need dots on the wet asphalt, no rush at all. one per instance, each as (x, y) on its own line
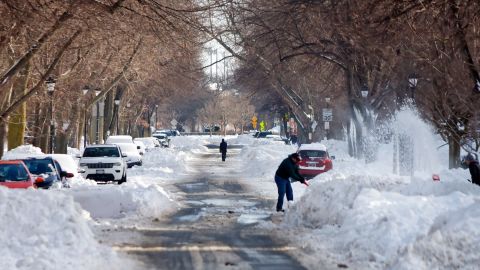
(215, 228)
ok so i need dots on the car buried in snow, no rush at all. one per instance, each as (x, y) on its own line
(315, 160)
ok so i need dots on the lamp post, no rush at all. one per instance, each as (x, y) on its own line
(117, 105)
(412, 83)
(51, 88)
(97, 132)
(85, 92)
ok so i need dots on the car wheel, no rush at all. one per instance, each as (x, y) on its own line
(123, 180)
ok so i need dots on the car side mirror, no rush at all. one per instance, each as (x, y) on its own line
(124, 155)
(332, 157)
(78, 156)
(81, 171)
(138, 147)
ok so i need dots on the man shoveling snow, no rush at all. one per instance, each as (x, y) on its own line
(287, 169)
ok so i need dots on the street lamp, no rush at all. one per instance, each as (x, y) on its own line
(50, 89)
(156, 113)
(97, 133)
(117, 103)
(412, 83)
(85, 92)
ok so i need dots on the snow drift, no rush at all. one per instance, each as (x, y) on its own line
(48, 230)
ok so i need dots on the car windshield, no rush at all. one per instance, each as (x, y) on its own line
(101, 152)
(39, 166)
(13, 172)
(312, 154)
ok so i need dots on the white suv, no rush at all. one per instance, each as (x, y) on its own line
(103, 163)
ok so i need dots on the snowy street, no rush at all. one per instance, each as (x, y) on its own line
(213, 226)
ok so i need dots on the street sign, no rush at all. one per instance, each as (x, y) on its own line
(327, 114)
(174, 123)
(254, 122)
(327, 125)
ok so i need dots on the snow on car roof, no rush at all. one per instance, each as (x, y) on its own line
(313, 146)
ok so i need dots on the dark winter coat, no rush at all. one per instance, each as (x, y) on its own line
(474, 172)
(223, 147)
(289, 169)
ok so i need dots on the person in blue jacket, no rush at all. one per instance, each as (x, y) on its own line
(287, 169)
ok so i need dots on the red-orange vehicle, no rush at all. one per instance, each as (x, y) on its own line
(14, 174)
(315, 160)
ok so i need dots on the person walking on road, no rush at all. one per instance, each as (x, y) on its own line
(473, 167)
(287, 169)
(223, 149)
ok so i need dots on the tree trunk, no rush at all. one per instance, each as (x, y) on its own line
(3, 133)
(18, 119)
(453, 153)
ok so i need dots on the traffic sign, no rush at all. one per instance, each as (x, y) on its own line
(174, 123)
(327, 114)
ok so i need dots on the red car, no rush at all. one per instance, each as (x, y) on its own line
(14, 174)
(315, 160)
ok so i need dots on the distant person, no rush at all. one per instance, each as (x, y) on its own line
(223, 149)
(473, 167)
(287, 169)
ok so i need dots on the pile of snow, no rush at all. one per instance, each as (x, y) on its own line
(130, 200)
(262, 157)
(47, 230)
(389, 222)
(159, 164)
(22, 151)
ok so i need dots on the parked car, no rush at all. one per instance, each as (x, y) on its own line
(104, 162)
(149, 142)
(262, 134)
(162, 139)
(315, 160)
(14, 174)
(169, 132)
(66, 162)
(119, 139)
(133, 157)
(49, 169)
(142, 148)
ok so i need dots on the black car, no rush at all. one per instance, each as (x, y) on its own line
(262, 134)
(49, 169)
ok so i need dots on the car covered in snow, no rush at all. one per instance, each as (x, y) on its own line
(133, 157)
(14, 174)
(142, 148)
(162, 138)
(149, 142)
(104, 163)
(114, 139)
(315, 160)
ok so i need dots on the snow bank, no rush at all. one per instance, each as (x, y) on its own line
(130, 200)
(262, 157)
(378, 222)
(22, 151)
(159, 164)
(47, 230)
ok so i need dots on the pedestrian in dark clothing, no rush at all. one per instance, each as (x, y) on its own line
(473, 167)
(223, 149)
(287, 169)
